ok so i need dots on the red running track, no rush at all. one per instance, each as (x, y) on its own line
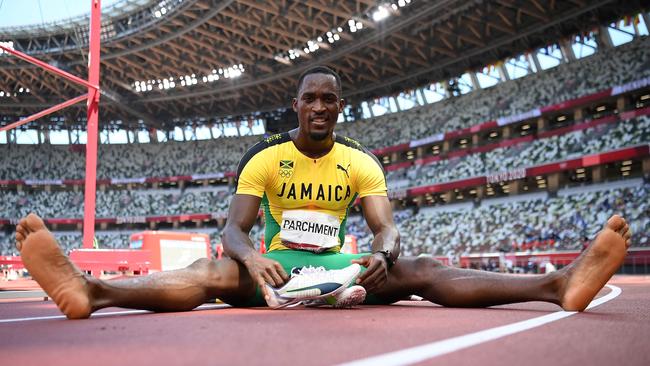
(614, 333)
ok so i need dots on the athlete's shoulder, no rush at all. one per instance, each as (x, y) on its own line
(261, 147)
(349, 142)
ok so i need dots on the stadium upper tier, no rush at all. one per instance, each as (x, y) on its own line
(602, 138)
(164, 60)
(572, 80)
(589, 75)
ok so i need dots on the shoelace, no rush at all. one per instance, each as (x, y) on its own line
(296, 271)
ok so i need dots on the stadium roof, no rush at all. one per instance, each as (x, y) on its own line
(177, 59)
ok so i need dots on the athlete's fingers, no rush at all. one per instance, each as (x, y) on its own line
(362, 277)
(374, 267)
(375, 278)
(363, 261)
(268, 279)
(275, 276)
(281, 272)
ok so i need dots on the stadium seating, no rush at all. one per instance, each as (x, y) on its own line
(568, 81)
(534, 222)
(530, 222)
(574, 144)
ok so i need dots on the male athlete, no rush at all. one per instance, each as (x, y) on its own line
(305, 181)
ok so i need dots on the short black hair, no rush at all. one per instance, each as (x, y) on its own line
(320, 70)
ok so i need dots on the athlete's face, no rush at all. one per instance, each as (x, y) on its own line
(318, 105)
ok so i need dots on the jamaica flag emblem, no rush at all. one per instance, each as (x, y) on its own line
(286, 168)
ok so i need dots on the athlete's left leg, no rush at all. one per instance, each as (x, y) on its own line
(572, 287)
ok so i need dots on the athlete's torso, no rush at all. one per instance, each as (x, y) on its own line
(306, 200)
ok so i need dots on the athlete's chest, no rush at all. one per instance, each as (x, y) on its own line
(312, 183)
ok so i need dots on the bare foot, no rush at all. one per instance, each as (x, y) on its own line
(596, 265)
(53, 271)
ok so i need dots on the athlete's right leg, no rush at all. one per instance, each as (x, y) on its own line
(573, 287)
(78, 295)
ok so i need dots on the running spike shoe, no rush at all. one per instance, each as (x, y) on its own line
(312, 283)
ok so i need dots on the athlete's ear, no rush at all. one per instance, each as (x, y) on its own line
(341, 104)
(294, 105)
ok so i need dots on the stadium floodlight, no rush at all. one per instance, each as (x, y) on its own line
(380, 14)
(8, 44)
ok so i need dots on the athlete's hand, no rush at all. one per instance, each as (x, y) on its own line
(376, 274)
(264, 270)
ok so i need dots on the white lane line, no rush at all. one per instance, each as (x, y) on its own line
(424, 352)
(108, 313)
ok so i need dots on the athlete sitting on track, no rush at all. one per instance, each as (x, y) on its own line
(306, 180)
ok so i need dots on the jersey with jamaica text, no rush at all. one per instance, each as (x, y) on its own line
(306, 200)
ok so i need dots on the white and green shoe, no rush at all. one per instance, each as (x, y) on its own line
(312, 283)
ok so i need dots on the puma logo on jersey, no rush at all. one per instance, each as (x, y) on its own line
(339, 166)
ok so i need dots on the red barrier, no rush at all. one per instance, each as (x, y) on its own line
(97, 261)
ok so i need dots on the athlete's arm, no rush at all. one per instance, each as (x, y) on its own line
(238, 246)
(379, 216)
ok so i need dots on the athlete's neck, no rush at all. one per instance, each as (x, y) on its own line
(310, 147)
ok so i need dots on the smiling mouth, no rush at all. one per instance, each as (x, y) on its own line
(319, 121)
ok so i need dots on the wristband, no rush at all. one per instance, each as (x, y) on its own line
(388, 255)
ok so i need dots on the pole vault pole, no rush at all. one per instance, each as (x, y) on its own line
(92, 127)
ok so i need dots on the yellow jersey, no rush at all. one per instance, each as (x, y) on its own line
(306, 200)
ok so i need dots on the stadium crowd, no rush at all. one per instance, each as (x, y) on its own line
(166, 159)
(535, 222)
(154, 202)
(593, 140)
(117, 203)
(151, 202)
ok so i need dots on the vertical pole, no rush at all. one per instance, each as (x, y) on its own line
(93, 117)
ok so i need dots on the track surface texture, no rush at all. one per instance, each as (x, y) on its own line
(616, 332)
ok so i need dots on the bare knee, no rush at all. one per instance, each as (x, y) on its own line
(412, 274)
(426, 264)
(208, 269)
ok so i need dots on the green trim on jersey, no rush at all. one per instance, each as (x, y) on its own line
(271, 227)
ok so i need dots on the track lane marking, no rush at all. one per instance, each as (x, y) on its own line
(108, 313)
(425, 352)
